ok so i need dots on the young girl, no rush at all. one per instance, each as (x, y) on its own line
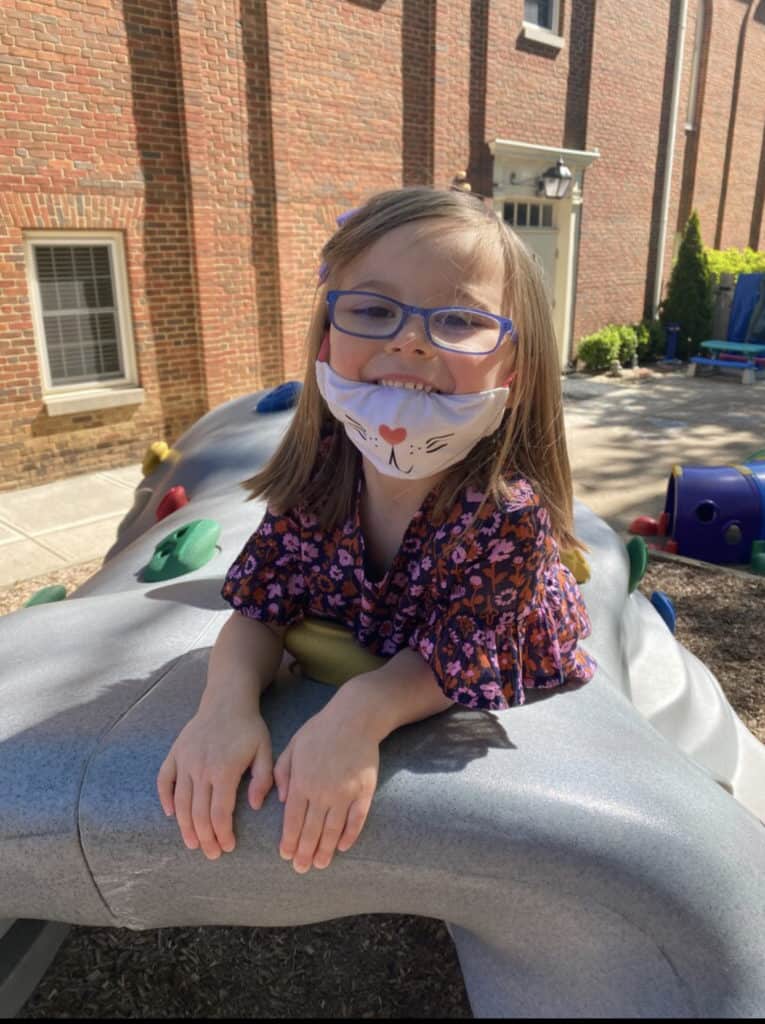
(419, 498)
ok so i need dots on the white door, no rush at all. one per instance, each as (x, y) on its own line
(543, 243)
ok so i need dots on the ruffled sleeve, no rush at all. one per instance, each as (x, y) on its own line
(508, 615)
(266, 580)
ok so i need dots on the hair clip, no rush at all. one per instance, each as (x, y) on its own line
(323, 272)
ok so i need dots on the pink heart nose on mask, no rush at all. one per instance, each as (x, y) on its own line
(392, 436)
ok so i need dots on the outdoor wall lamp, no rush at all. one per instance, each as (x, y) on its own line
(554, 183)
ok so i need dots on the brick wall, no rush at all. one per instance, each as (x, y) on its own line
(92, 140)
(628, 121)
(730, 173)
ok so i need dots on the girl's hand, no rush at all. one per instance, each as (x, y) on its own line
(328, 775)
(199, 778)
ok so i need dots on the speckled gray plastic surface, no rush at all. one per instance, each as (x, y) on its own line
(587, 860)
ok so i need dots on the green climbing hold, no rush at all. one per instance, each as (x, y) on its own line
(184, 550)
(56, 592)
(637, 549)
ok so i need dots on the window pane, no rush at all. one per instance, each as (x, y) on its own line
(522, 218)
(63, 265)
(101, 265)
(71, 294)
(91, 362)
(82, 263)
(107, 327)
(44, 260)
(547, 216)
(508, 213)
(534, 215)
(539, 12)
(48, 295)
(111, 359)
(105, 294)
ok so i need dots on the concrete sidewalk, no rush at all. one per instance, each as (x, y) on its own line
(62, 523)
(624, 438)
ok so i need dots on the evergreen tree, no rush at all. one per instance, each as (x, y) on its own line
(689, 296)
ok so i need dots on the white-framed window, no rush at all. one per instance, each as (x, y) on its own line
(80, 310)
(541, 22)
(526, 214)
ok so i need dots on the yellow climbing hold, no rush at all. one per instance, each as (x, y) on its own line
(577, 563)
(328, 652)
(157, 452)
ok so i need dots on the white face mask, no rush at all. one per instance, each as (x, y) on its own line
(409, 433)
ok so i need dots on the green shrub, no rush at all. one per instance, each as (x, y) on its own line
(597, 351)
(628, 343)
(689, 299)
(734, 261)
(651, 340)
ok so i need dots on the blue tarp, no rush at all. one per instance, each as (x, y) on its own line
(745, 299)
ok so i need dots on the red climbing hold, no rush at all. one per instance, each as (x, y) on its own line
(175, 498)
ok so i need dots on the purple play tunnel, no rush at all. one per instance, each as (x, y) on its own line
(715, 513)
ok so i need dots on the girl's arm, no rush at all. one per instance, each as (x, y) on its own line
(199, 777)
(401, 691)
(328, 772)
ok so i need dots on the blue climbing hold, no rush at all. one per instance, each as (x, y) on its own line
(665, 608)
(285, 396)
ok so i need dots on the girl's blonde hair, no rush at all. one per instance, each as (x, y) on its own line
(530, 440)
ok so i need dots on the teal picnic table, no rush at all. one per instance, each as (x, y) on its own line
(737, 355)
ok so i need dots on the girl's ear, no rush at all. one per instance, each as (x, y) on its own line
(508, 381)
(323, 356)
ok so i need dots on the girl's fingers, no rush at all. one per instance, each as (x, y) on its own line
(261, 782)
(166, 784)
(310, 834)
(222, 815)
(200, 815)
(357, 815)
(183, 791)
(282, 771)
(333, 829)
(294, 816)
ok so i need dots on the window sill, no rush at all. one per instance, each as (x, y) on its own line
(87, 401)
(537, 34)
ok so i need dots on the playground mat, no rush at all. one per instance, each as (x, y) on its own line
(373, 966)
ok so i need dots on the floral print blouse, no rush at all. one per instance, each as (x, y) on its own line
(487, 603)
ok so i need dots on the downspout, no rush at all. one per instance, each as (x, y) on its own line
(677, 74)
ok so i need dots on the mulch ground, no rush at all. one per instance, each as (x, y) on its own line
(376, 966)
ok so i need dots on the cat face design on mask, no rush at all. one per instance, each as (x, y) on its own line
(393, 437)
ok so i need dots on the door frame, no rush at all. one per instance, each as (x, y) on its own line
(517, 169)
